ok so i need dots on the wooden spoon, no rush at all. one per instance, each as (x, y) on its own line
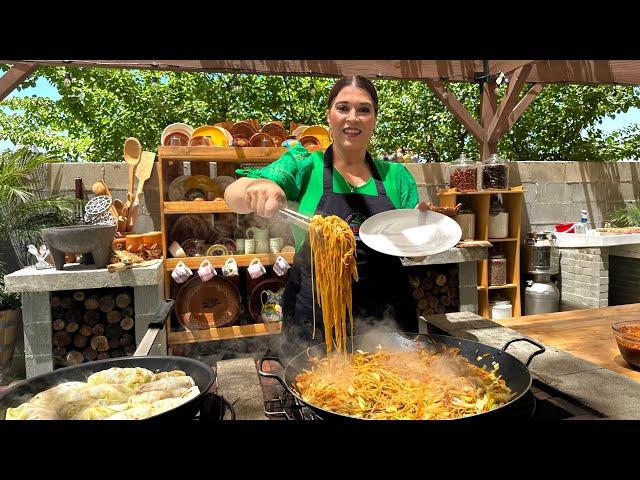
(132, 154)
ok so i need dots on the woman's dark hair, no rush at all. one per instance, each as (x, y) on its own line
(357, 81)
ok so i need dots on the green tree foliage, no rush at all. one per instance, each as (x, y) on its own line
(100, 108)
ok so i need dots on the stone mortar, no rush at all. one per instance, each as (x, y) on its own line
(94, 239)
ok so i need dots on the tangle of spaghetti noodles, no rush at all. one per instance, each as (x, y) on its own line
(333, 264)
(408, 385)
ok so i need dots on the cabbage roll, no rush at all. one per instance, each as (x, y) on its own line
(114, 393)
(155, 395)
(134, 413)
(29, 411)
(169, 383)
(99, 412)
(161, 375)
(131, 377)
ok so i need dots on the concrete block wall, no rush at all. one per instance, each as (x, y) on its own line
(555, 192)
(584, 278)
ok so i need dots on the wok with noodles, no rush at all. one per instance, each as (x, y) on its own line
(129, 388)
(392, 377)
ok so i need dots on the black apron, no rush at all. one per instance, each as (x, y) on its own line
(382, 292)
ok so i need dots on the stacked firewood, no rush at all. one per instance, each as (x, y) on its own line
(92, 325)
(435, 289)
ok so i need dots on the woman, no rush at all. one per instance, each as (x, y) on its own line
(343, 181)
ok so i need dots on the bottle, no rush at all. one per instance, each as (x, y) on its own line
(79, 187)
(581, 228)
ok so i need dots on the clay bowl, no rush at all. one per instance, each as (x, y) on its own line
(244, 129)
(94, 239)
(261, 140)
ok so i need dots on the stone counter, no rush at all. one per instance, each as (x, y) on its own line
(614, 395)
(35, 287)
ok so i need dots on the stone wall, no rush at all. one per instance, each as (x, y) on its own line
(555, 192)
(584, 278)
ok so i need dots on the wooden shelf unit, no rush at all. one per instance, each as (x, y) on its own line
(227, 160)
(480, 201)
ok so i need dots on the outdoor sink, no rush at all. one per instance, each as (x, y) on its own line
(94, 239)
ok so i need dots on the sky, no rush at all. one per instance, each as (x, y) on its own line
(44, 89)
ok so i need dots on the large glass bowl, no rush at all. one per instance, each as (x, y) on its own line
(627, 336)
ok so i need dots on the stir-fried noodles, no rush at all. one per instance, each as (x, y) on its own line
(418, 385)
(333, 246)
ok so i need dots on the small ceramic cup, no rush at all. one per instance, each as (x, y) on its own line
(240, 243)
(206, 271)
(181, 273)
(249, 246)
(275, 244)
(230, 267)
(176, 250)
(281, 266)
(256, 269)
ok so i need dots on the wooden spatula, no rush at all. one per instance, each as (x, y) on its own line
(143, 172)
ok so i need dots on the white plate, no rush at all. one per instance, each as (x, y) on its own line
(410, 232)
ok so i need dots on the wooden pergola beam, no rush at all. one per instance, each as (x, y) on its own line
(456, 108)
(521, 107)
(518, 79)
(14, 77)
(453, 70)
(488, 109)
(622, 72)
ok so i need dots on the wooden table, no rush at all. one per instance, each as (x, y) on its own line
(584, 333)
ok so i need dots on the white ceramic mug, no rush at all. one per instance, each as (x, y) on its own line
(206, 271)
(275, 244)
(249, 246)
(181, 273)
(281, 266)
(256, 269)
(230, 267)
(176, 250)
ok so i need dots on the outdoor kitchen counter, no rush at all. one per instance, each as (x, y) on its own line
(582, 359)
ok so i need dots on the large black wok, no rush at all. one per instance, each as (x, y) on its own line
(202, 374)
(513, 371)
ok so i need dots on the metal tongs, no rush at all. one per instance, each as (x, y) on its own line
(295, 218)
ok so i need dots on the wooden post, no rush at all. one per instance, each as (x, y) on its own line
(488, 108)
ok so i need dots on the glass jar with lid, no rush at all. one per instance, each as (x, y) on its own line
(463, 174)
(495, 173)
(466, 218)
(497, 269)
(501, 309)
(498, 222)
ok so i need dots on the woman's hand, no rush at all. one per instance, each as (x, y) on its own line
(264, 197)
(422, 206)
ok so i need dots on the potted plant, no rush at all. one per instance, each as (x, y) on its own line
(25, 208)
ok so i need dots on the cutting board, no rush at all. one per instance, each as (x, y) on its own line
(584, 333)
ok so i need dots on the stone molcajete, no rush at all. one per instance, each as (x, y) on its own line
(94, 239)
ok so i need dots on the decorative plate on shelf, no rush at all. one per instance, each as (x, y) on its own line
(243, 129)
(217, 250)
(216, 134)
(190, 226)
(228, 244)
(318, 131)
(207, 188)
(223, 182)
(183, 128)
(203, 305)
(176, 188)
(410, 232)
